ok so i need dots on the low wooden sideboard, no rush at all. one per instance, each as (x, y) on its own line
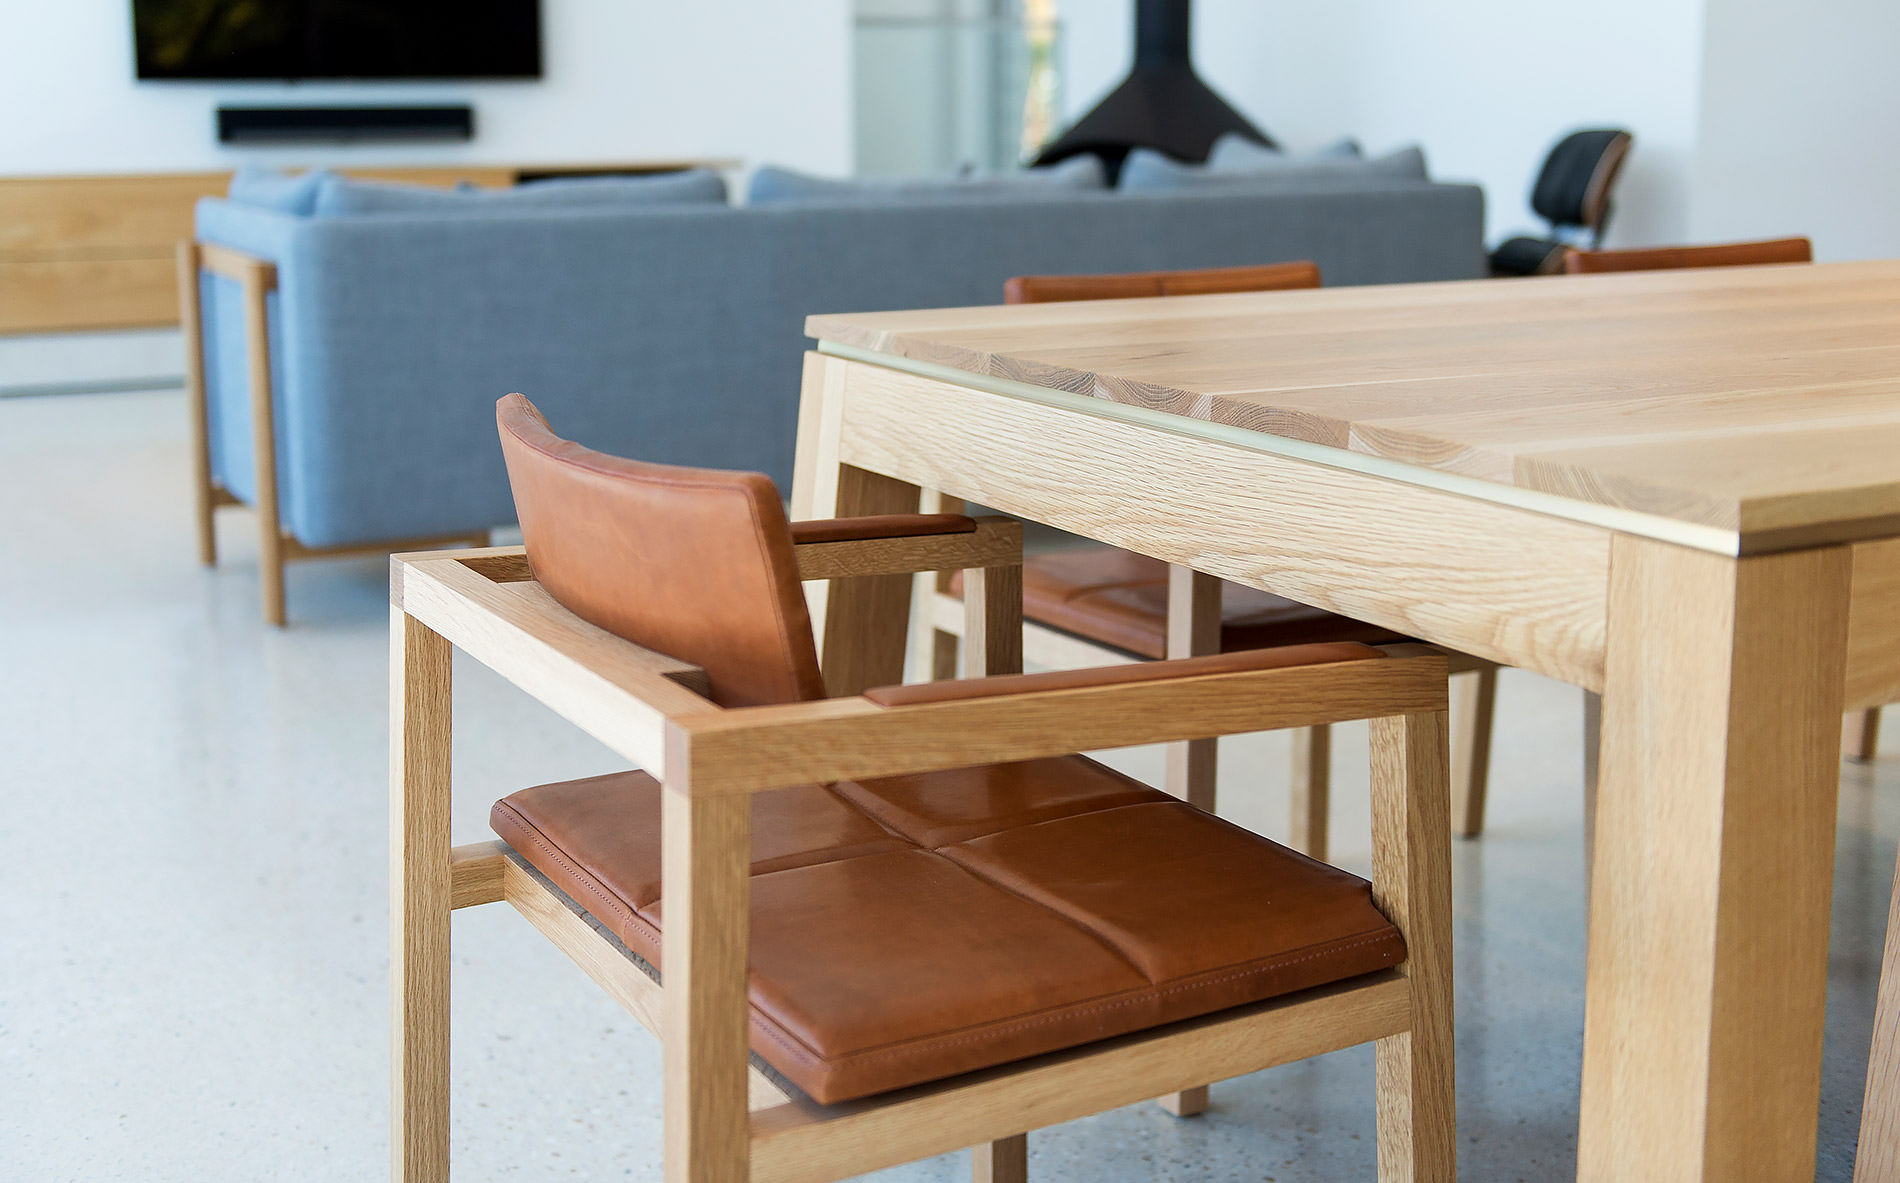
(97, 252)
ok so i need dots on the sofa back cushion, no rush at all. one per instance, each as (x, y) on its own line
(1149, 171)
(269, 188)
(341, 197)
(773, 185)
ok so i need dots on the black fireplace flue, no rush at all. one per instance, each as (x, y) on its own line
(1162, 104)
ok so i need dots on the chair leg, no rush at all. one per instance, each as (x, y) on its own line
(419, 902)
(1878, 1158)
(1860, 735)
(1592, 741)
(943, 655)
(1474, 700)
(1411, 883)
(1186, 1103)
(1191, 770)
(1005, 1160)
(270, 539)
(1312, 789)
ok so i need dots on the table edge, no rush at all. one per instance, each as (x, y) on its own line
(1609, 517)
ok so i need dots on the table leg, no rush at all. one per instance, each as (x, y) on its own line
(862, 624)
(1714, 857)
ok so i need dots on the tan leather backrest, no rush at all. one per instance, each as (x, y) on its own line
(695, 563)
(1270, 277)
(1671, 258)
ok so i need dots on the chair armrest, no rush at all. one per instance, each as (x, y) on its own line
(904, 544)
(963, 689)
(886, 525)
(757, 748)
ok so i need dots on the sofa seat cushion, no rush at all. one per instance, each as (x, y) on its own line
(1118, 598)
(908, 929)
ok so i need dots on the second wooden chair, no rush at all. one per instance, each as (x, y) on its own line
(1093, 604)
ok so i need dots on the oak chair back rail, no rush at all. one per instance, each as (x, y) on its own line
(709, 758)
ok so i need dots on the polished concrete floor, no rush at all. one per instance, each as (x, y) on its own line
(193, 966)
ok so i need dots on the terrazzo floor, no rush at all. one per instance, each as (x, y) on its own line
(193, 964)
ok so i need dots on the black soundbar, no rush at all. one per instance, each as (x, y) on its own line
(278, 125)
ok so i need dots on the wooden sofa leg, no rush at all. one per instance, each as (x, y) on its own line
(1474, 702)
(1860, 735)
(1186, 1103)
(1005, 1160)
(190, 323)
(1312, 789)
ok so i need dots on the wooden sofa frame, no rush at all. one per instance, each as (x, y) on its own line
(723, 1124)
(275, 545)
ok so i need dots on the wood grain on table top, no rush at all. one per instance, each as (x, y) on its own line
(1763, 400)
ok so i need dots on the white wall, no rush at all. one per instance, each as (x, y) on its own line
(1485, 85)
(625, 79)
(1800, 125)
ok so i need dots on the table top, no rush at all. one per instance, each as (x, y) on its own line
(1761, 402)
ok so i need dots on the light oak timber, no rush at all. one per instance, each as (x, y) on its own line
(1632, 392)
(258, 278)
(1474, 703)
(476, 874)
(1312, 794)
(855, 658)
(1005, 1161)
(996, 540)
(45, 296)
(1411, 884)
(706, 873)
(797, 1143)
(1873, 626)
(761, 748)
(1860, 735)
(1193, 631)
(204, 490)
(1877, 1159)
(611, 689)
(1527, 589)
(421, 896)
(1707, 968)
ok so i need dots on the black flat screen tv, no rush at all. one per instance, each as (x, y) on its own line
(320, 39)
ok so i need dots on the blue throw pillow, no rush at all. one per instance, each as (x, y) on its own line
(1150, 171)
(269, 188)
(772, 185)
(1234, 152)
(342, 197)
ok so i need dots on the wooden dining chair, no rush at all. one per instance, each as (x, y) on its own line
(1095, 604)
(1860, 732)
(923, 921)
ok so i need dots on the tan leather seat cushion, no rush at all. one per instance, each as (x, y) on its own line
(1120, 599)
(913, 928)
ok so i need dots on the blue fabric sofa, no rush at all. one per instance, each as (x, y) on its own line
(674, 332)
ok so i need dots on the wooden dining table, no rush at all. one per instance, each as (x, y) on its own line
(1680, 490)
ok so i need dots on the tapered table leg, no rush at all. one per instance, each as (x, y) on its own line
(1713, 868)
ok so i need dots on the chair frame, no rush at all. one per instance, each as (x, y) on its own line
(721, 1123)
(275, 545)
